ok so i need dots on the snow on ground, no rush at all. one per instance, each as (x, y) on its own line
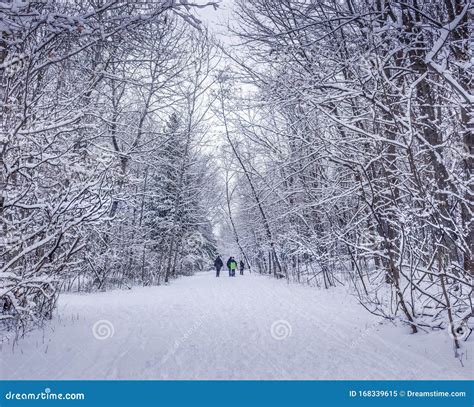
(249, 327)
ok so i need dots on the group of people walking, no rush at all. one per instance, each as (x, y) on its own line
(231, 265)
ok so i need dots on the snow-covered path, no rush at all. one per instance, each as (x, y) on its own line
(249, 327)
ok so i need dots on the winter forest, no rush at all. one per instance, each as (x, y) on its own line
(325, 143)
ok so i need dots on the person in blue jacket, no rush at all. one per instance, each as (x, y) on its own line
(218, 263)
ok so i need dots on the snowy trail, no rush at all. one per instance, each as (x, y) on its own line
(201, 327)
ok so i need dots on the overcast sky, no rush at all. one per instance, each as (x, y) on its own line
(217, 20)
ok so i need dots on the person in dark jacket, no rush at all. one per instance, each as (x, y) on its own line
(241, 267)
(218, 263)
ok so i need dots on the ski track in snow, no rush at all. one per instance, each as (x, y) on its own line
(202, 327)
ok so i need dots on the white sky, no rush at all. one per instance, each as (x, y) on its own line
(217, 20)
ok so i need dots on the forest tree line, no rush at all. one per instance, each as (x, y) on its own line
(104, 180)
(345, 149)
(351, 129)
